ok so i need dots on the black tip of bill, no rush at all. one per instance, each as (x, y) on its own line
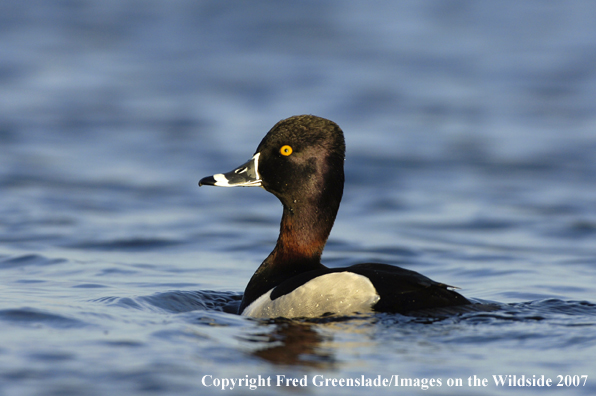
(207, 181)
(246, 175)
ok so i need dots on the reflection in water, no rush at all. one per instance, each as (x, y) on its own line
(294, 344)
(307, 343)
(314, 342)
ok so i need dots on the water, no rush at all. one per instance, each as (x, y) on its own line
(471, 138)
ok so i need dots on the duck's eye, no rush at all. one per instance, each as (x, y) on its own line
(285, 150)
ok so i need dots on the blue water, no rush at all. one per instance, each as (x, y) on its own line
(471, 138)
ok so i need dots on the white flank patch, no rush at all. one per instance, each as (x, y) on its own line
(342, 293)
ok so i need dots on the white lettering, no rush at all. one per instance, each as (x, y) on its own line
(317, 380)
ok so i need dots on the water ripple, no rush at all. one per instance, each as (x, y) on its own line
(34, 317)
(28, 259)
(128, 244)
(179, 301)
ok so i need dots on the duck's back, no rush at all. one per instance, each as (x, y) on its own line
(402, 291)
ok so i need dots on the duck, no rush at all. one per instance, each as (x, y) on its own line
(301, 161)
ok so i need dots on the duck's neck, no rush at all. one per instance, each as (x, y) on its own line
(302, 237)
(304, 229)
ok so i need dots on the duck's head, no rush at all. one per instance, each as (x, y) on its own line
(300, 161)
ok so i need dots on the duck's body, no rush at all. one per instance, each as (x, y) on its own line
(301, 161)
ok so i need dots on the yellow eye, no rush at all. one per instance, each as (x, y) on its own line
(285, 150)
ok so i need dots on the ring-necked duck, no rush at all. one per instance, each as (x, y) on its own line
(301, 162)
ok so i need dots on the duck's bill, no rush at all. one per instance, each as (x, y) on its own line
(246, 175)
